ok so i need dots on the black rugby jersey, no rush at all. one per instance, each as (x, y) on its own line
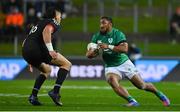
(36, 31)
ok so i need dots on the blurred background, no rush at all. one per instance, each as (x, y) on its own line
(152, 27)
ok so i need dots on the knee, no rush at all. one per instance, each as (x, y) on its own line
(145, 86)
(149, 85)
(47, 71)
(68, 65)
(113, 83)
(142, 86)
(111, 80)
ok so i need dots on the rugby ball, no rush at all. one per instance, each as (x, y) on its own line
(92, 46)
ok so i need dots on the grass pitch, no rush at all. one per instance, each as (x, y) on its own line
(85, 95)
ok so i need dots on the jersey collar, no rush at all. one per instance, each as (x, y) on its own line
(110, 32)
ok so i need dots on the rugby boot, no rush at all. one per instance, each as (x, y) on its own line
(132, 103)
(34, 100)
(165, 100)
(55, 98)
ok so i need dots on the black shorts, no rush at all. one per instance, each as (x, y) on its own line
(35, 53)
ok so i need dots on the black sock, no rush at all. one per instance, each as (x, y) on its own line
(61, 76)
(39, 81)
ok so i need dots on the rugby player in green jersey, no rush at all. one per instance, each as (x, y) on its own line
(114, 47)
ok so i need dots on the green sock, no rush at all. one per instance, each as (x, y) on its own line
(159, 93)
(130, 98)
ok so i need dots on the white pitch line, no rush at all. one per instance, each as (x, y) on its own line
(102, 103)
(25, 96)
(87, 87)
(7, 94)
(18, 95)
(63, 87)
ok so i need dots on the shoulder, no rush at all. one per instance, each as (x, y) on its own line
(95, 37)
(51, 21)
(43, 22)
(118, 32)
(54, 23)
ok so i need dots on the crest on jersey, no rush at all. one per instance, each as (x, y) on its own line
(110, 40)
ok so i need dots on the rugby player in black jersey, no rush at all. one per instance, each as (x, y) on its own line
(38, 51)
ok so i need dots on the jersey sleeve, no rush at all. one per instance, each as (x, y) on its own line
(120, 37)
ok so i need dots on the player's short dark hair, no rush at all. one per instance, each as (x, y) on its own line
(51, 12)
(107, 18)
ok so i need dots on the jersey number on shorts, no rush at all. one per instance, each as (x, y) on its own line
(33, 29)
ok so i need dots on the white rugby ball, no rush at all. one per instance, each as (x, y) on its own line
(93, 46)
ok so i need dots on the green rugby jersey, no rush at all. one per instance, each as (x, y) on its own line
(114, 37)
